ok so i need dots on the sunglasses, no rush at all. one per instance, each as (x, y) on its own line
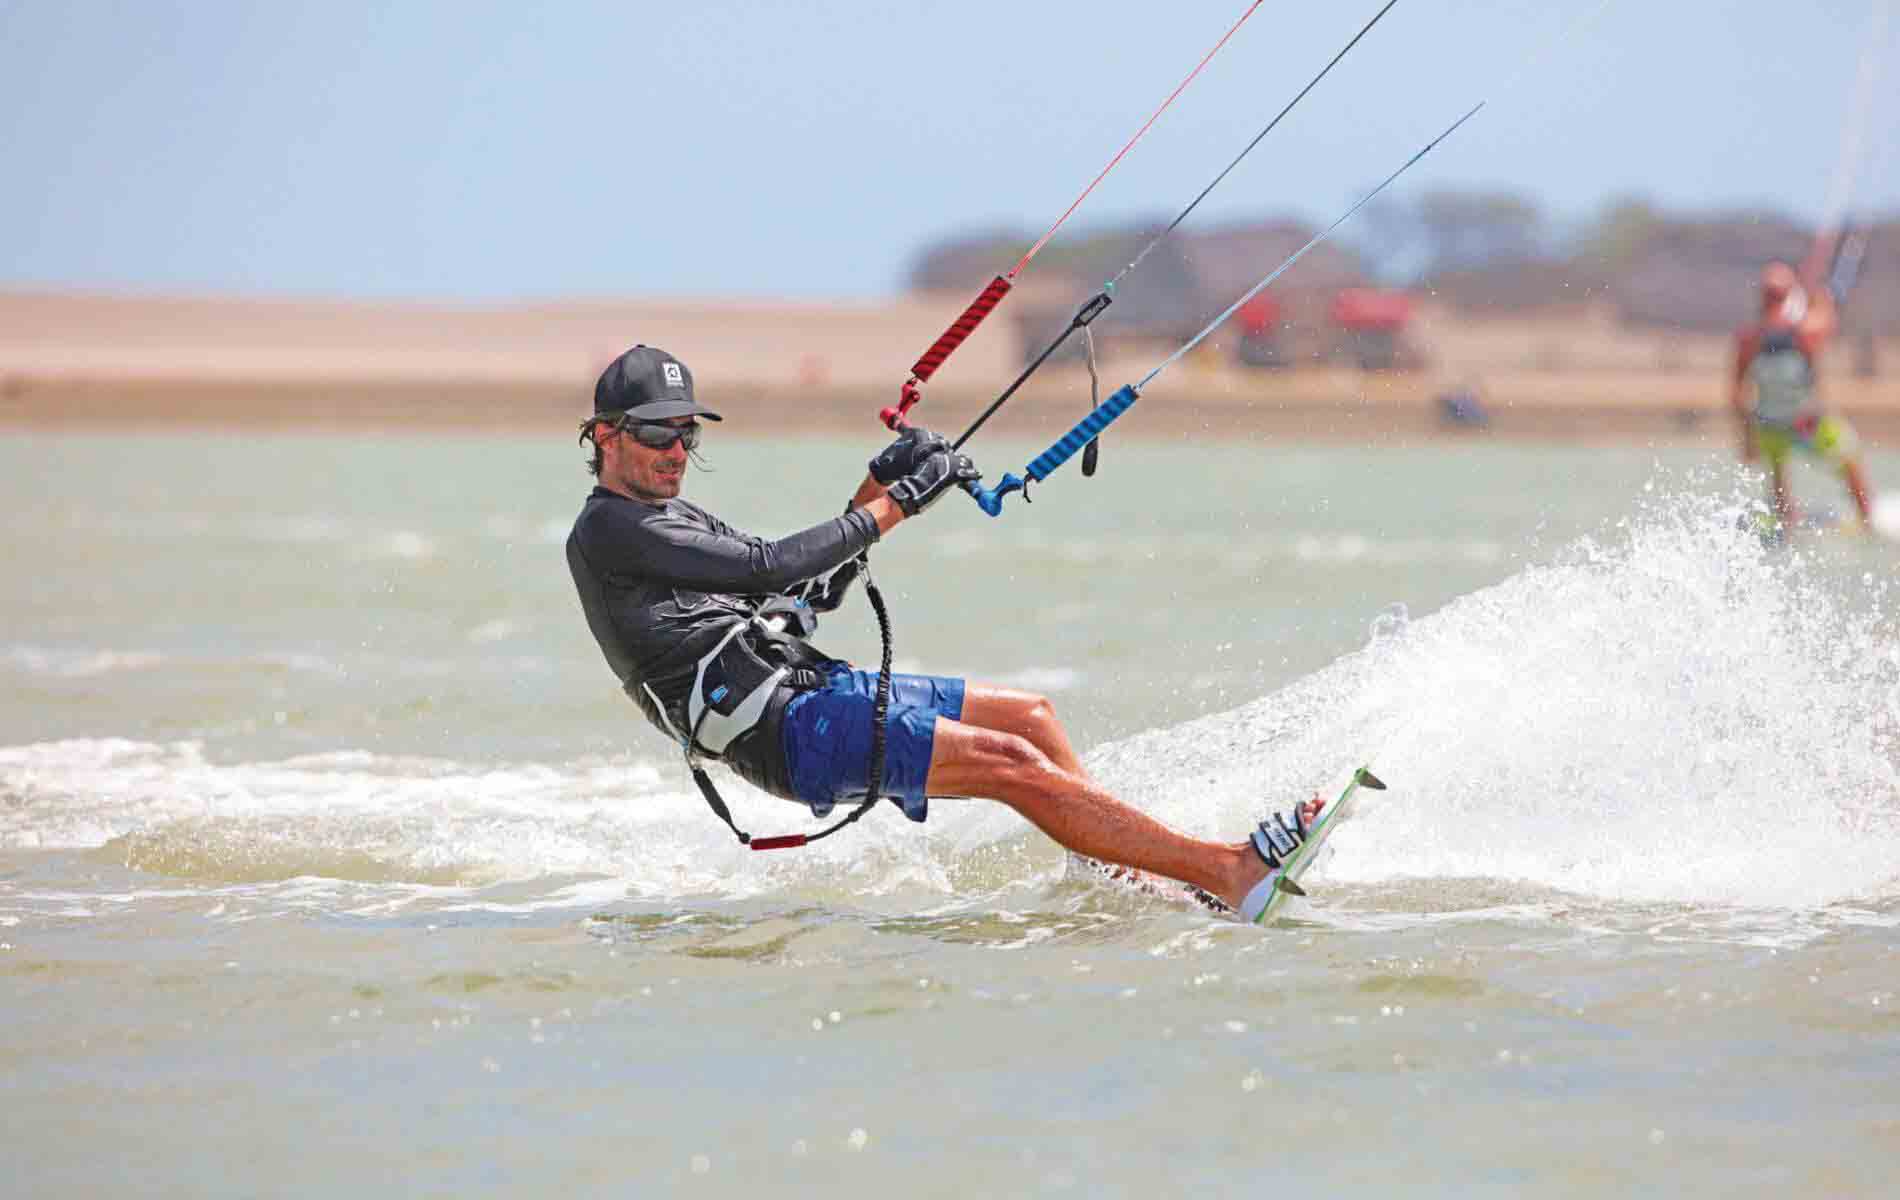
(656, 436)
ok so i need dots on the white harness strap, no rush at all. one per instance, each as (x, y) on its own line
(712, 730)
(659, 706)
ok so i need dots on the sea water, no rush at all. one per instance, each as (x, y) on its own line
(332, 860)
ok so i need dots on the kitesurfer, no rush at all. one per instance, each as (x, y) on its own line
(1774, 389)
(707, 629)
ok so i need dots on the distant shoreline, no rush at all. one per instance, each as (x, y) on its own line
(751, 411)
(87, 362)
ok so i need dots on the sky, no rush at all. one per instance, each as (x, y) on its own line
(490, 152)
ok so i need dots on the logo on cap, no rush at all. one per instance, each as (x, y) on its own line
(674, 376)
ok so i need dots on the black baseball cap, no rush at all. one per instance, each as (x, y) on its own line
(648, 384)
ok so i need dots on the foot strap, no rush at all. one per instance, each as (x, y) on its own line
(1276, 840)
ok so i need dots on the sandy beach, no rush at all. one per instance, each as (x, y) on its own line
(78, 360)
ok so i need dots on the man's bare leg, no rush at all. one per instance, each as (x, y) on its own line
(1025, 714)
(1031, 716)
(1784, 497)
(1856, 480)
(1079, 815)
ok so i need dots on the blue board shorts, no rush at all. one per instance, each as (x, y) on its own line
(827, 737)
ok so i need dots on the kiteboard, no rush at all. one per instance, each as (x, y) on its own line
(1287, 881)
(1886, 518)
(1883, 524)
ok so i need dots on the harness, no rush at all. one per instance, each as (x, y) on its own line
(732, 691)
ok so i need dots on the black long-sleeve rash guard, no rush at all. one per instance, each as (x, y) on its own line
(660, 584)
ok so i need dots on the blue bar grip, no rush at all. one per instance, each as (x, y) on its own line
(1085, 431)
(990, 500)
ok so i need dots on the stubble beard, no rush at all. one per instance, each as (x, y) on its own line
(656, 488)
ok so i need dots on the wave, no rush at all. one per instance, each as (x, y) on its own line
(78, 663)
(81, 662)
(1223, 552)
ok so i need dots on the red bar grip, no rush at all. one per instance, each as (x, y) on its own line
(788, 842)
(962, 327)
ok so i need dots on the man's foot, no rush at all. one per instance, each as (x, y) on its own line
(1252, 866)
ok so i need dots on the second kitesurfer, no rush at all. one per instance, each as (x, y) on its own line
(1774, 385)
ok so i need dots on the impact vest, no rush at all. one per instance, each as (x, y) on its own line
(1783, 376)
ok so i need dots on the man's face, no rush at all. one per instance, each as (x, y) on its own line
(634, 469)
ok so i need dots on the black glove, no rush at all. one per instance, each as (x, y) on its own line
(904, 455)
(933, 477)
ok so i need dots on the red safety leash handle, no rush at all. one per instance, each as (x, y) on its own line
(788, 842)
(893, 418)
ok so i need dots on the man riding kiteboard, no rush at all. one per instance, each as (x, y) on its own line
(707, 629)
(1773, 385)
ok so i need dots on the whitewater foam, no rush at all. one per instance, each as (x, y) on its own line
(390, 819)
(1669, 714)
